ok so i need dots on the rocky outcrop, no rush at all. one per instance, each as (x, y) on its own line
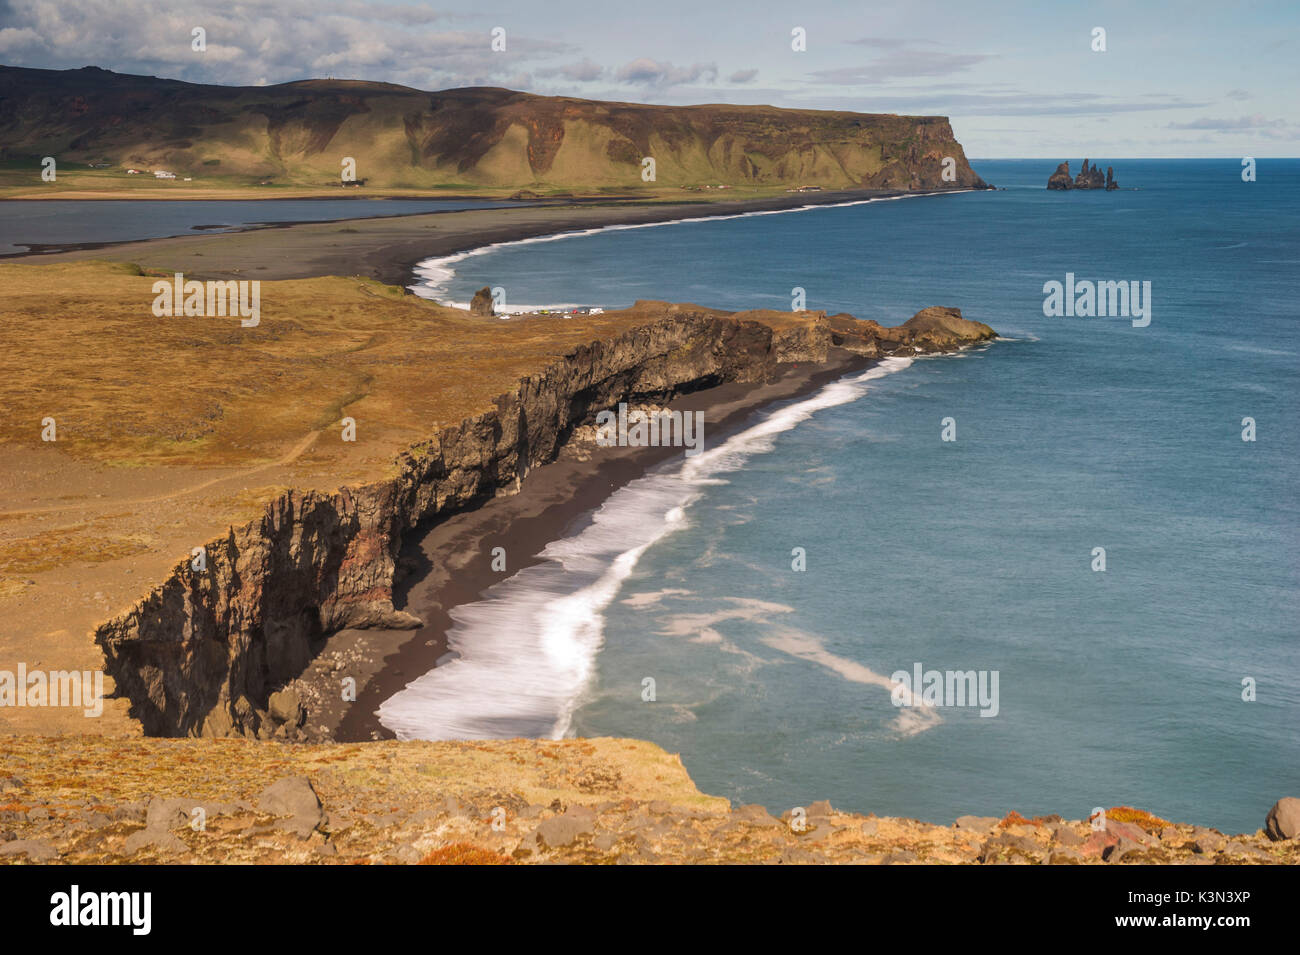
(207, 650)
(1283, 820)
(481, 303)
(1088, 178)
(595, 801)
(934, 329)
(1061, 178)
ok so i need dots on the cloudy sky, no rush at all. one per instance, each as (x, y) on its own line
(1018, 79)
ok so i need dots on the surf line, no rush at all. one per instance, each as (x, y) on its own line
(522, 659)
(437, 272)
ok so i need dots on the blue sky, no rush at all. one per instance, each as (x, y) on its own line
(1017, 79)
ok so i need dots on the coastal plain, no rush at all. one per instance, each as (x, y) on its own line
(177, 432)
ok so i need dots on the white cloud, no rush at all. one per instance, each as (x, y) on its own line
(647, 72)
(583, 72)
(246, 42)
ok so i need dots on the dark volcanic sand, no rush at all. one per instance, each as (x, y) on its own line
(388, 248)
(449, 563)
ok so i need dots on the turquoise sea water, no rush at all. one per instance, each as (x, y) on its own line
(1121, 686)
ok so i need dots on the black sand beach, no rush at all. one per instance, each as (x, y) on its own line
(388, 248)
(449, 564)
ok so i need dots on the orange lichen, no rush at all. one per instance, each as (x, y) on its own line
(1138, 817)
(1014, 818)
(464, 853)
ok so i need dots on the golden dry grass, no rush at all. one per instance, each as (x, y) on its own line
(128, 389)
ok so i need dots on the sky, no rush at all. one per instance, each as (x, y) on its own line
(1017, 79)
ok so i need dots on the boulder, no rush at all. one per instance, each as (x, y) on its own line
(1006, 844)
(977, 823)
(1283, 820)
(1206, 841)
(166, 814)
(755, 815)
(285, 707)
(564, 830)
(1122, 847)
(153, 838)
(34, 849)
(1065, 836)
(295, 798)
(819, 809)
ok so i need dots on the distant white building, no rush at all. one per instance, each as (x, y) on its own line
(163, 174)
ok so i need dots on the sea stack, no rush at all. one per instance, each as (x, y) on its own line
(1089, 177)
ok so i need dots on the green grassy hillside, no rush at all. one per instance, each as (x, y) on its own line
(299, 134)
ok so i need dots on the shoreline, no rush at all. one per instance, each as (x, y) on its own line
(388, 248)
(553, 502)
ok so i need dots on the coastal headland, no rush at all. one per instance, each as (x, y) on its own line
(121, 134)
(132, 440)
(179, 433)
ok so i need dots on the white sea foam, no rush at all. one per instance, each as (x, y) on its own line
(524, 655)
(436, 274)
(916, 718)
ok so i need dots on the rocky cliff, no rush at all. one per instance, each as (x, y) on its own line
(1088, 178)
(203, 653)
(300, 134)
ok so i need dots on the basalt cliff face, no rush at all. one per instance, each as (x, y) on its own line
(1088, 178)
(300, 133)
(204, 652)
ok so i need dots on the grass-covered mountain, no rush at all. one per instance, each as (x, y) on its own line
(486, 138)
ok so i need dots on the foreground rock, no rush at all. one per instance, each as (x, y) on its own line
(84, 800)
(1283, 820)
(1088, 178)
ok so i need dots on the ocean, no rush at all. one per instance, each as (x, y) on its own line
(770, 587)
